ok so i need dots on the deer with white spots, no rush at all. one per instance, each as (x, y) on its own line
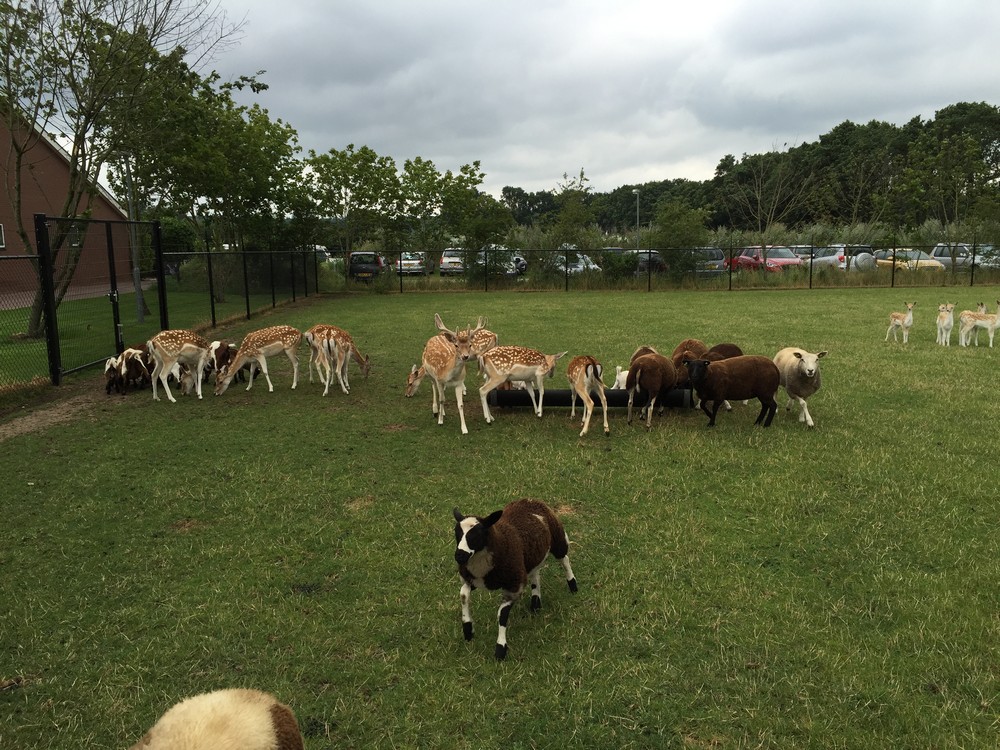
(257, 346)
(975, 321)
(177, 347)
(517, 363)
(444, 360)
(505, 550)
(964, 317)
(333, 348)
(584, 374)
(899, 321)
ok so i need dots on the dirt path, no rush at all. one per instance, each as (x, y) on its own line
(56, 406)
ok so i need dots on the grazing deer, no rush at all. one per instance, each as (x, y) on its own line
(901, 321)
(257, 347)
(444, 359)
(963, 318)
(974, 321)
(177, 347)
(584, 374)
(945, 323)
(509, 363)
(332, 347)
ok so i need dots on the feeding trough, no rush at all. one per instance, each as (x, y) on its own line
(518, 398)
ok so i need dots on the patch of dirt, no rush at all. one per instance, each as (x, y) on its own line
(361, 502)
(52, 412)
(397, 427)
(184, 525)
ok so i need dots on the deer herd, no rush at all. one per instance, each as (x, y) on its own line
(969, 323)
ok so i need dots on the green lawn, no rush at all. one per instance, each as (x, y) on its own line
(739, 587)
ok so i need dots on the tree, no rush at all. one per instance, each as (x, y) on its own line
(358, 188)
(574, 215)
(68, 65)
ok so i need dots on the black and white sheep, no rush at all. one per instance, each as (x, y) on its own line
(505, 550)
(235, 718)
(799, 374)
(737, 378)
(653, 375)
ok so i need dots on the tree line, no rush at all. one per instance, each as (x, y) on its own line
(121, 83)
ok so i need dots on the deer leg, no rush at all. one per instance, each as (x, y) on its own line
(604, 408)
(294, 358)
(588, 410)
(342, 371)
(439, 387)
(541, 394)
(572, 401)
(461, 407)
(491, 383)
(531, 394)
(262, 361)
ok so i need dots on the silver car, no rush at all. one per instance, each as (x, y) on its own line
(955, 255)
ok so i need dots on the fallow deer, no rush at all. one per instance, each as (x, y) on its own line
(584, 374)
(964, 317)
(945, 323)
(178, 346)
(901, 321)
(444, 359)
(258, 346)
(975, 321)
(339, 349)
(504, 363)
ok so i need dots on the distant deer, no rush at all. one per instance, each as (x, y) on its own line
(901, 321)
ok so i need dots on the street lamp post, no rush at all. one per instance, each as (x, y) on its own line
(636, 194)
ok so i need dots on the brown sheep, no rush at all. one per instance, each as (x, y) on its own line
(694, 348)
(739, 378)
(654, 375)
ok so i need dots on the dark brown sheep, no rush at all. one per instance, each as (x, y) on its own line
(691, 348)
(653, 375)
(737, 378)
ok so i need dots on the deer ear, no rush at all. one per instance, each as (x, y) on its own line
(492, 518)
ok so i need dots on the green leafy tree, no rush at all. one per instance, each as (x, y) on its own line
(67, 67)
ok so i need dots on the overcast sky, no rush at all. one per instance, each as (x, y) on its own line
(631, 92)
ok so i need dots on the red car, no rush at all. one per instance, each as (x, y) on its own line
(772, 258)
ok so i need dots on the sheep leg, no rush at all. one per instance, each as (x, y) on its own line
(708, 412)
(649, 411)
(768, 406)
(536, 588)
(570, 578)
(711, 414)
(804, 415)
(466, 595)
(631, 395)
(503, 615)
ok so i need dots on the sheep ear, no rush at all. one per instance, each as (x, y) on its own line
(820, 355)
(797, 355)
(458, 514)
(492, 518)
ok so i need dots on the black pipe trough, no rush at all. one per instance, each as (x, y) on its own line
(519, 398)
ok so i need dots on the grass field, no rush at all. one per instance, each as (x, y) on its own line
(739, 587)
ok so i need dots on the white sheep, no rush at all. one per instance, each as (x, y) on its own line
(800, 377)
(505, 550)
(235, 718)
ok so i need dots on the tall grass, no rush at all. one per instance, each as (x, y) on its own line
(739, 587)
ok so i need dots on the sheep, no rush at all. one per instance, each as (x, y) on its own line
(717, 352)
(621, 374)
(234, 718)
(584, 375)
(132, 369)
(654, 375)
(505, 550)
(901, 322)
(695, 348)
(112, 380)
(800, 377)
(738, 378)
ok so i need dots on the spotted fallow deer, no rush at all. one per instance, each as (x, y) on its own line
(964, 318)
(333, 348)
(177, 347)
(901, 321)
(444, 359)
(510, 363)
(975, 321)
(584, 374)
(257, 347)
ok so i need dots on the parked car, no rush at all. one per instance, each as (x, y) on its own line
(501, 260)
(364, 265)
(827, 257)
(411, 264)
(775, 259)
(955, 255)
(650, 261)
(907, 259)
(452, 262)
(582, 264)
(709, 261)
(987, 257)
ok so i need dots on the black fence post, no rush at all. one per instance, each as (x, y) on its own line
(892, 274)
(211, 284)
(161, 276)
(113, 293)
(246, 279)
(270, 271)
(45, 273)
(291, 272)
